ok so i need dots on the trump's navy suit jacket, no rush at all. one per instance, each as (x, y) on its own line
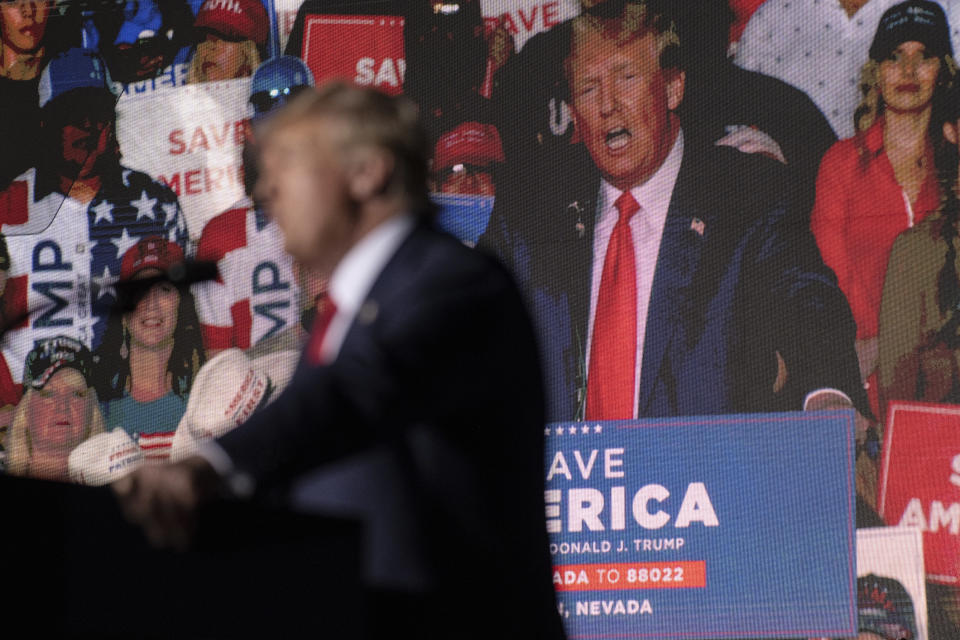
(738, 279)
(436, 398)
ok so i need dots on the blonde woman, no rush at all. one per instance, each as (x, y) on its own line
(232, 38)
(58, 411)
(873, 186)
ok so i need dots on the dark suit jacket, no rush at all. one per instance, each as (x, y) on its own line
(436, 395)
(723, 301)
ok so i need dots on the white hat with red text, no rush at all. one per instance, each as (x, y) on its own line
(229, 388)
(104, 458)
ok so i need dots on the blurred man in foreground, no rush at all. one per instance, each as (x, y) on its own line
(423, 370)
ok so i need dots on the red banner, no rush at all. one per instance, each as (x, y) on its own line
(920, 481)
(365, 50)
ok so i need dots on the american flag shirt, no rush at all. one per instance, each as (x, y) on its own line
(65, 255)
(150, 424)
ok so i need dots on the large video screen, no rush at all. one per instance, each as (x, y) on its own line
(713, 210)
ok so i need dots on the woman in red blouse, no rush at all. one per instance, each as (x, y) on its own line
(882, 181)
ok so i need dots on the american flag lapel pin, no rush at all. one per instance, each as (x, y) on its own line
(698, 225)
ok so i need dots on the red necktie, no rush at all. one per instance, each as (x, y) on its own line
(326, 309)
(613, 352)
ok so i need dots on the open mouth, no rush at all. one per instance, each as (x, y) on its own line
(617, 138)
(151, 322)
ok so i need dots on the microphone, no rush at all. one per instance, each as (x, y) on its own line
(191, 272)
(182, 274)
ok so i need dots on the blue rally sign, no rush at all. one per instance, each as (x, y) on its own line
(726, 527)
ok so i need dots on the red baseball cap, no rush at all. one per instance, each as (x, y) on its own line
(235, 19)
(468, 143)
(153, 252)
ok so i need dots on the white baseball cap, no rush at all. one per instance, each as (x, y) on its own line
(104, 458)
(226, 392)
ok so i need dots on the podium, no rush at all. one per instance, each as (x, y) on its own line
(73, 567)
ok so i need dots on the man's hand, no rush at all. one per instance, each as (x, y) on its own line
(865, 469)
(163, 499)
(501, 46)
(828, 400)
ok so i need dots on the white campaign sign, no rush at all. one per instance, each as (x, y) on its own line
(896, 552)
(525, 18)
(191, 139)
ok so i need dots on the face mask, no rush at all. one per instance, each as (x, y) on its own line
(465, 217)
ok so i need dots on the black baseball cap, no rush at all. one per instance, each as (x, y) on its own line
(918, 20)
(885, 608)
(53, 354)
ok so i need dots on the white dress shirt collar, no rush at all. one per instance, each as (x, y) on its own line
(354, 276)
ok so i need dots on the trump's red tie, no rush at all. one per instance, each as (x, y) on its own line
(613, 351)
(326, 309)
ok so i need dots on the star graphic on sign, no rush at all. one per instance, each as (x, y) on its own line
(103, 211)
(573, 431)
(145, 206)
(123, 243)
(104, 283)
(585, 429)
(597, 428)
(546, 431)
(559, 431)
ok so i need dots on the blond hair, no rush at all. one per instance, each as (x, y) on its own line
(251, 60)
(634, 21)
(368, 118)
(871, 102)
(18, 446)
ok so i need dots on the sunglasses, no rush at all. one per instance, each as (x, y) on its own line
(266, 101)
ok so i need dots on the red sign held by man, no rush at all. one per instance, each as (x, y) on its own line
(365, 50)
